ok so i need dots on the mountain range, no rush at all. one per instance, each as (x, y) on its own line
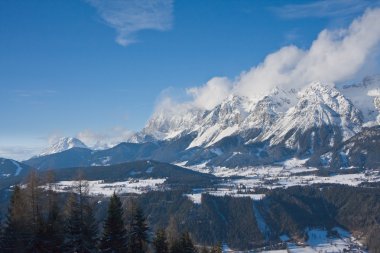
(320, 122)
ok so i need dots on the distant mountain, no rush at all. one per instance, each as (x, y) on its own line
(174, 175)
(72, 157)
(11, 168)
(240, 131)
(166, 151)
(321, 118)
(360, 151)
(63, 144)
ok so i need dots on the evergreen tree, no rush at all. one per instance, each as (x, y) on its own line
(187, 244)
(81, 228)
(160, 242)
(114, 237)
(183, 245)
(17, 233)
(138, 234)
(176, 246)
(90, 229)
(73, 228)
(52, 232)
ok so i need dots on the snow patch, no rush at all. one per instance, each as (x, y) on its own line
(99, 187)
(18, 167)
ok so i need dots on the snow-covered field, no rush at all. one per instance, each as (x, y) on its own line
(286, 174)
(319, 241)
(196, 196)
(99, 187)
(272, 181)
(282, 175)
(291, 166)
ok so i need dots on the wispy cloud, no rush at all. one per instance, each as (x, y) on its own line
(18, 152)
(104, 139)
(325, 8)
(131, 16)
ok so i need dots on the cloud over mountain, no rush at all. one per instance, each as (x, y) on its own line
(105, 139)
(334, 56)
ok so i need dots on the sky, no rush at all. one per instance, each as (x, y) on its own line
(98, 69)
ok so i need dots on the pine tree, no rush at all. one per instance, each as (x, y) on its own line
(73, 228)
(81, 228)
(114, 237)
(17, 234)
(183, 245)
(90, 229)
(187, 244)
(138, 235)
(52, 233)
(176, 246)
(160, 242)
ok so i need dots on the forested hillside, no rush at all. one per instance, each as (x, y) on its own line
(42, 219)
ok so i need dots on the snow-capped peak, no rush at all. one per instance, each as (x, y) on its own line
(165, 125)
(63, 144)
(318, 106)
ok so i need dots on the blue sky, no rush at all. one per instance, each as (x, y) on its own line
(74, 66)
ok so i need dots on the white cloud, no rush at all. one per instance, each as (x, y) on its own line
(374, 93)
(168, 106)
(335, 56)
(273, 72)
(210, 94)
(18, 152)
(131, 16)
(204, 97)
(104, 139)
(325, 8)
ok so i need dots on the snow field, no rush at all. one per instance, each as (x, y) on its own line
(99, 187)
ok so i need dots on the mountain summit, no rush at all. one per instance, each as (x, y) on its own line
(242, 131)
(63, 144)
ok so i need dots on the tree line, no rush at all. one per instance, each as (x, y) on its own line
(41, 220)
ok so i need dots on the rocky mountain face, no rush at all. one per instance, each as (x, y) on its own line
(360, 151)
(63, 144)
(309, 123)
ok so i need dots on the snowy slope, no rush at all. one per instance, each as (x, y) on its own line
(275, 115)
(224, 120)
(318, 106)
(264, 129)
(167, 124)
(9, 168)
(362, 150)
(242, 131)
(63, 144)
(233, 116)
(236, 115)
